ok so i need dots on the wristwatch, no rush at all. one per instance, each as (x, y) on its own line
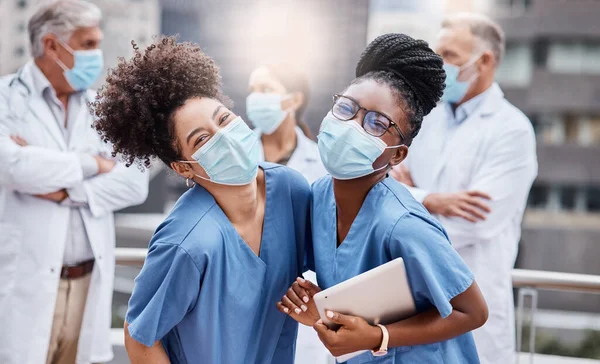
(383, 350)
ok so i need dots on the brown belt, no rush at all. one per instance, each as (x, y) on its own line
(77, 271)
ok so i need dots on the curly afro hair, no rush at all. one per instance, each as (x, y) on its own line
(134, 108)
(410, 68)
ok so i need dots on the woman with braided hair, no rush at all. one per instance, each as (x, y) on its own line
(361, 218)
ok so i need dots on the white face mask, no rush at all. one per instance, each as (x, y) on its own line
(347, 150)
(87, 67)
(231, 156)
(264, 111)
(456, 90)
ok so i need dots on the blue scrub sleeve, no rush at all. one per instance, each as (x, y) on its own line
(165, 290)
(435, 271)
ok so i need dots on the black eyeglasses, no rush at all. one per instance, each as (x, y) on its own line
(374, 122)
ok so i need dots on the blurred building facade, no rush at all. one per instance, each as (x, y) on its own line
(324, 38)
(551, 71)
(124, 20)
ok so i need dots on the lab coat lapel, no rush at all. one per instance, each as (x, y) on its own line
(463, 136)
(82, 120)
(41, 110)
(439, 134)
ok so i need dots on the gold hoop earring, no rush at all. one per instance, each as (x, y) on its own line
(189, 183)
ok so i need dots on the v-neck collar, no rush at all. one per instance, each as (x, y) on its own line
(359, 215)
(260, 258)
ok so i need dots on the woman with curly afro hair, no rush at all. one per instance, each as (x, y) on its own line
(233, 243)
(362, 218)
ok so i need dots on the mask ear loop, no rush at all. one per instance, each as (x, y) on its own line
(68, 49)
(195, 174)
(388, 163)
(471, 62)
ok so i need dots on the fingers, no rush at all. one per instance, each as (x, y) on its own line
(321, 329)
(460, 213)
(309, 286)
(473, 211)
(291, 305)
(296, 300)
(17, 139)
(344, 320)
(300, 292)
(282, 308)
(475, 201)
(479, 194)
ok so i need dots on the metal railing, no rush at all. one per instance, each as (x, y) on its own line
(521, 278)
(527, 281)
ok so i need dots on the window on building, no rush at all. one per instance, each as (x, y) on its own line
(517, 66)
(512, 7)
(591, 58)
(572, 128)
(566, 198)
(574, 57)
(549, 128)
(540, 53)
(538, 196)
(567, 195)
(21, 4)
(19, 51)
(593, 130)
(593, 202)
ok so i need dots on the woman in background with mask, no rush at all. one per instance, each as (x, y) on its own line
(278, 98)
(361, 218)
(232, 244)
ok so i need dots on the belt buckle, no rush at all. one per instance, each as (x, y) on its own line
(64, 272)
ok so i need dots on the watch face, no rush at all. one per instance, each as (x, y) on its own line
(380, 353)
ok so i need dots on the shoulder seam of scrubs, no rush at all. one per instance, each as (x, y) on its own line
(407, 211)
(185, 251)
(396, 224)
(389, 235)
(268, 165)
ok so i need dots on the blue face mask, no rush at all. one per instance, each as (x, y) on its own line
(264, 111)
(231, 156)
(87, 67)
(347, 150)
(456, 90)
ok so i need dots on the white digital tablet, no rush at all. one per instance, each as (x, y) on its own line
(380, 296)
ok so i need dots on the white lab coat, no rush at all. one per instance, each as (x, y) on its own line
(307, 160)
(492, 151)
(33, 231)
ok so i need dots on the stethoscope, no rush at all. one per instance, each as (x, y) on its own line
(16, 82)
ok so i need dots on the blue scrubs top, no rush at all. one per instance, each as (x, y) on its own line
(206, 295)
(392, 224)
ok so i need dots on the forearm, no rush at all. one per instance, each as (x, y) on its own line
(141, 354)
(34, 170)
(429, 327)
(106, 193)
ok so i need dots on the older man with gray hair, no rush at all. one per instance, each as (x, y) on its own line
(59, 187)
(472, 165)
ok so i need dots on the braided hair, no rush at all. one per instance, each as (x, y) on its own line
(410, 68)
